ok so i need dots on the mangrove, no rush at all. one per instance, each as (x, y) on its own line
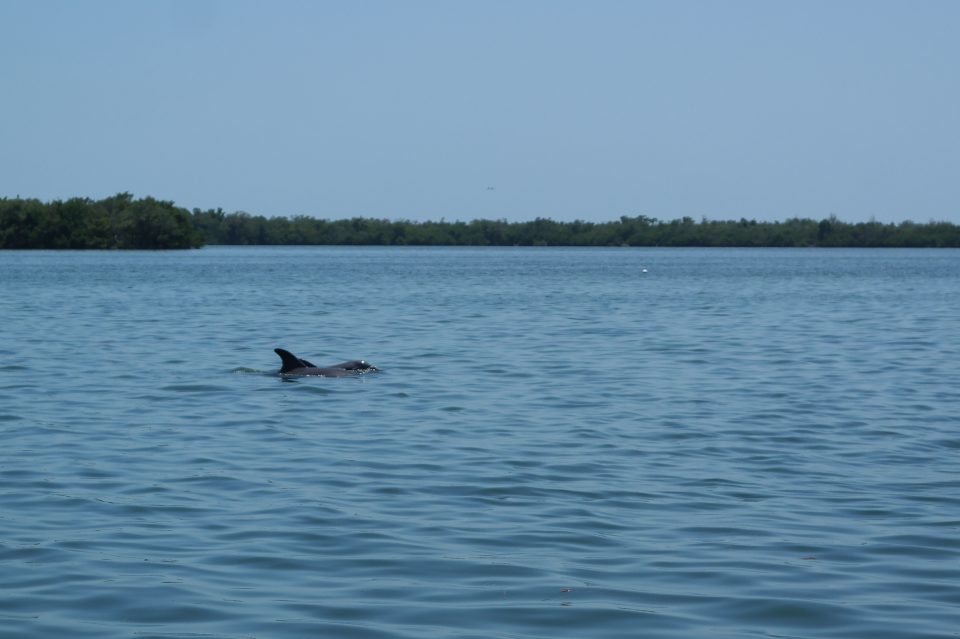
(122, 222)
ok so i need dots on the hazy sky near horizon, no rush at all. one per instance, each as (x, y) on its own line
(495, 108)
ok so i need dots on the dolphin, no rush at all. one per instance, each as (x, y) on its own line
(293, 365)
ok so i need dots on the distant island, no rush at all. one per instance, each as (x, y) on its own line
(123, 222)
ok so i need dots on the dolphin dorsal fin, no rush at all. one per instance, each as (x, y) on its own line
(290, 361)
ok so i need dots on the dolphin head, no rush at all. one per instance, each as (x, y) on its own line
(358, 365)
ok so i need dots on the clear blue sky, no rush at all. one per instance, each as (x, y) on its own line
(593, 109)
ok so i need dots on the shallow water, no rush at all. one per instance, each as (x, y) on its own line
(730, 443)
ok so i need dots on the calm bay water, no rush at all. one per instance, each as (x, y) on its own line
(730, 443)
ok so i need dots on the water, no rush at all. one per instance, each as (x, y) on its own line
(734, 443)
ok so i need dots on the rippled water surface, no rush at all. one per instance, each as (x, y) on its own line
(562, 443)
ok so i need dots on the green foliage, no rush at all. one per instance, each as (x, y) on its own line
(242, 228)
(116, 222)
(120, 221)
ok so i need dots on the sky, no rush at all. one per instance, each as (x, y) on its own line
(500, 109)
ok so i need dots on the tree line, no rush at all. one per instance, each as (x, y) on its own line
(116, 222)
(123, 222)
(242, 228)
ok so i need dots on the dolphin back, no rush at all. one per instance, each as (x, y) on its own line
(293, 365)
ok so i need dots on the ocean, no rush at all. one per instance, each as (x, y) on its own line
(562, 442)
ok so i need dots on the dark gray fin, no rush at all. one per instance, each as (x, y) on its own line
(307, 364)
(290, 361)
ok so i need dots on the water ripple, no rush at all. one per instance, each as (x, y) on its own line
(744, 444)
